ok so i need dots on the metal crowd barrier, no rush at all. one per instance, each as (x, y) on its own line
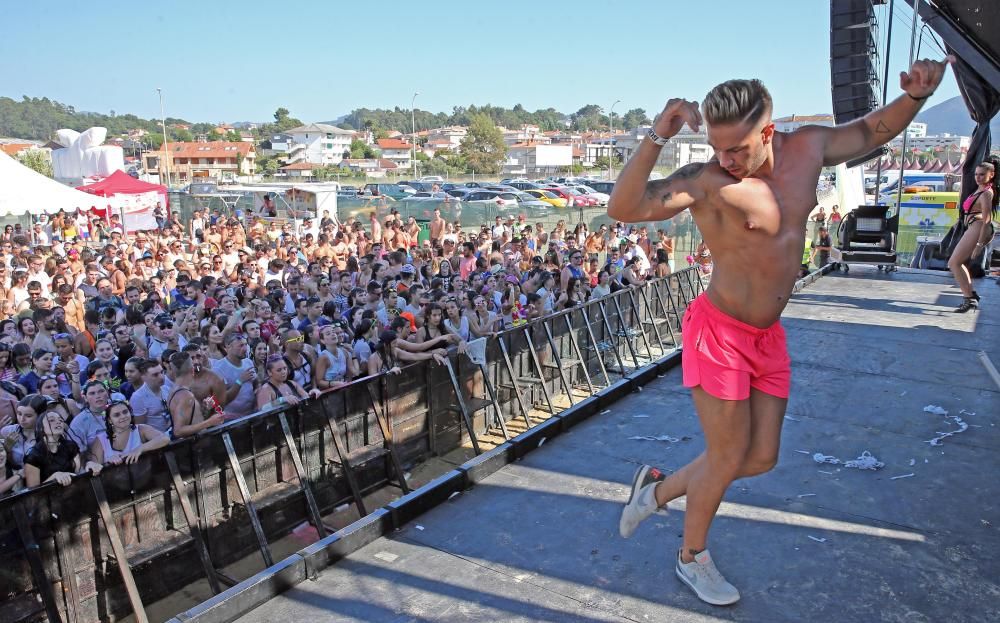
(105, 545)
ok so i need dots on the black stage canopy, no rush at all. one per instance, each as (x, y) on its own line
(970, 30)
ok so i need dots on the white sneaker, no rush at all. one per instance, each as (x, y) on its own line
(706, 581)
(641, 501)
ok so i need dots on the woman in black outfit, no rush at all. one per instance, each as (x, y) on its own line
(978, 211)
(55, 456)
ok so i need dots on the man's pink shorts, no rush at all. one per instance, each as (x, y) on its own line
(727, 357)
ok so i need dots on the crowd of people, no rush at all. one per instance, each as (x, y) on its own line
(112, 343)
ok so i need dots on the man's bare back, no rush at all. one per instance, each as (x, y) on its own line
(755, 228)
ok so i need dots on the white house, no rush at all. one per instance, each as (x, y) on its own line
(324, 144)
(529, 159)
(794, 122)
(683, 148)
(371, 167)
(397, 151)
(932, 142)
(450, 134)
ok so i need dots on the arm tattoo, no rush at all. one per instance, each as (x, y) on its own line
(882, 128)
(660, 189)
(687, 171)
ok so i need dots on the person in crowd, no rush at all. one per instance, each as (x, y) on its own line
(124, 441)
(7, 370)
(19, 438)
(278, 389)
(67, 406)
(187, 412)
(10, 478)
(41, 365)
(55, 457)
(240, 376)
(335, 363)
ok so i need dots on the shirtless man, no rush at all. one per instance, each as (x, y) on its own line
(437, 228)
(751, 203)
(203, 381)
(186, 411)
(323, 249)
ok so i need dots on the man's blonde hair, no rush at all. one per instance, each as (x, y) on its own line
(737, 101)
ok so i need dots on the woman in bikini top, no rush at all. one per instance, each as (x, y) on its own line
(978, 232)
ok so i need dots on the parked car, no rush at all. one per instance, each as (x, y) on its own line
(569, 196)
(602, 187)
(460, 193)
(505, 200)
(394, 191)
(525, 185)
(602, 198)
(477, 184)
(527, 200)
(431, 179)
(432, 196)
(548, 197)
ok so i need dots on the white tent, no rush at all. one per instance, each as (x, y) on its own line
(24, 190)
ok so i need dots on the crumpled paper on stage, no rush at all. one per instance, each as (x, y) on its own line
(667, 438)
(865, 461)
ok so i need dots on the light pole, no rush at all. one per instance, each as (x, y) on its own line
(611, 140)
(413, 126)
(166, 155)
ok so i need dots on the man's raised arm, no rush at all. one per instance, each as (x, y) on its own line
(862, 136)
(634, 198)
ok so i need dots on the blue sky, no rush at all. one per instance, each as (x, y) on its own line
(235, 61)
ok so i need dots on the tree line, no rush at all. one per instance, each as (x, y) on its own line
(588, 118)
(37, 118)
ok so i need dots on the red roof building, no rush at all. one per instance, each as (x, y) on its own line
(392, 143)
(209, 159)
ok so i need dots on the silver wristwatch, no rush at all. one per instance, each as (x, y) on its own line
(656, 138)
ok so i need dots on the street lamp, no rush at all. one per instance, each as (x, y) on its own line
(611, 140)
(413, 126)
(164, 166)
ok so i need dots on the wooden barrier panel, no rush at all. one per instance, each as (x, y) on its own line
(182, 513)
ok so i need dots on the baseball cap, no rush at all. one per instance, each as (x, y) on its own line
(408, 269)
(413, 321)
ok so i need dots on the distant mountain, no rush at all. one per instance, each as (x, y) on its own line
(952, 117)
(336, 121)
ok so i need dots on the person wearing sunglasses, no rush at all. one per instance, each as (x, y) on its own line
(164, 336)
(298, 358)
(123, 440)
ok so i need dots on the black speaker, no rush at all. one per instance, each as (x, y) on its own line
(854, 79)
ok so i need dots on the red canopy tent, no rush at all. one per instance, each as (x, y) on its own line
(135, 199)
